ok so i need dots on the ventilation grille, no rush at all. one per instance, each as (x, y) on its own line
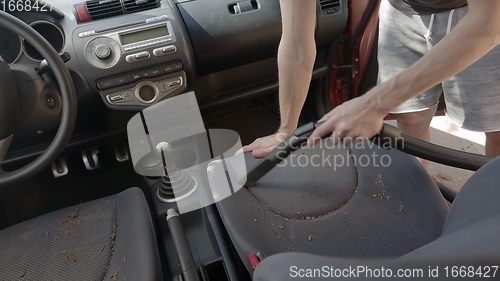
(132, 6)
(100, 9)
(329, 6)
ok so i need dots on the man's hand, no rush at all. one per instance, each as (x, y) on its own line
(351, 121)
(263, 146)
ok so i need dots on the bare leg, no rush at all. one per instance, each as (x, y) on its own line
(492, 144)
(417, 124)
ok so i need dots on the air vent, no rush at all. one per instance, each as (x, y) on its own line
(99, 9)
(329, 6)
(132, 6)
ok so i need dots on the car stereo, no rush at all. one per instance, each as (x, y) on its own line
(134, 64)
(106, 47)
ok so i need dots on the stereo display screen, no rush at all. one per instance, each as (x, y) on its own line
(133, 37)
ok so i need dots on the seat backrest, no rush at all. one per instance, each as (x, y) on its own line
(472, 228)
(478, 199)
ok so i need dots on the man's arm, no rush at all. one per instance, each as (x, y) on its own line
(296, 55)
(476, 34)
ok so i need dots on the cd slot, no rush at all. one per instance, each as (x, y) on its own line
(120, 26)
(150, 20)
(130, 24)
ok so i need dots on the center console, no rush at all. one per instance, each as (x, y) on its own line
(135, 64)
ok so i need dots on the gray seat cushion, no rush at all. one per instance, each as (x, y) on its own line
(106, 239)
(470, 238)
(346, 207)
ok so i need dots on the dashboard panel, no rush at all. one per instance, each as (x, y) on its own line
(136, 59)
(121, 61)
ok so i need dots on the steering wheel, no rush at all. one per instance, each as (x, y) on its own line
(9, 103)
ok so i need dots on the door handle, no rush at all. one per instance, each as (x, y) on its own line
(243, 7)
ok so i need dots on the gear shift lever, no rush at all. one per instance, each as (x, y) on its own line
(175, 184)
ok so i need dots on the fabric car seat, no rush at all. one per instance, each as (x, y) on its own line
(107, 239)
(469, 239)
(336, 201)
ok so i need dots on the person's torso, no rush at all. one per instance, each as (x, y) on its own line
(428, 6)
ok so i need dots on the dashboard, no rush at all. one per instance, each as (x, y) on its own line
(130, 54)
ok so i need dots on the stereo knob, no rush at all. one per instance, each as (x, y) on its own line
(102, 51)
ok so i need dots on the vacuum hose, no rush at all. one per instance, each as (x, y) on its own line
(389, 136)
(432, 152)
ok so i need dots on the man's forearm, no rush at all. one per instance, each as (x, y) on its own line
(476, 34)
(294, 80)
(296, 55)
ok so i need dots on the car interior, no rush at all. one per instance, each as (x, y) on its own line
(74, 75)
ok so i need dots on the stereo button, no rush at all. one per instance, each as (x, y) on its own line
(138, 75)
(142, 56)
(122, 80)
(130, 58)
(169, 49)
(174, 83)
(178, 66)
(114, 98)
(120, 97)
(164, 50)
(153, 72)
(86, 33)
(169, 68)
(106, 84)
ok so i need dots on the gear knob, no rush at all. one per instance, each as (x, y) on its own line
(175, 184)
(165, 151)
(163, 146)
